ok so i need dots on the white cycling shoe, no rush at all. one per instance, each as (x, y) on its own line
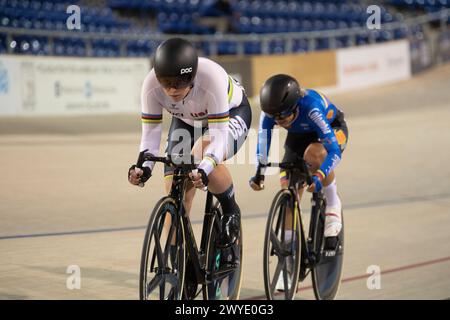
(333, 221)
(280, 282)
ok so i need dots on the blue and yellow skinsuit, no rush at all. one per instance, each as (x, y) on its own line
(317, 119)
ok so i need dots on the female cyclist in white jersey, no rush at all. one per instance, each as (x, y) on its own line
(206, 102)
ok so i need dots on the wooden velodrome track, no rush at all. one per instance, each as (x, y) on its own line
(64, 200)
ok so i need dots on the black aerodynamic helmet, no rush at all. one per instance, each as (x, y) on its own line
(279, 95)
(175, 63)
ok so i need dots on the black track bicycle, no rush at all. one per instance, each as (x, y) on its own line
(294, 259)
(172, 266)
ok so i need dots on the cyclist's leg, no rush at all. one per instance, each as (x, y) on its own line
(220, 181)
(315, 154)
(188, 195)
(299, 143)
(289, 156)
(180, 140)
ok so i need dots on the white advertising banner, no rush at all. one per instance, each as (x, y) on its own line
(10, 99)
(366, 66)
(64, 86)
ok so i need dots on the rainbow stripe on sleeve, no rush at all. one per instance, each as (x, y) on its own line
(211, 159)
(151, 118)
(321, 173)
(324, 99)
(219, 117)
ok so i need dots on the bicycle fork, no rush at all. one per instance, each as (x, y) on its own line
(313, 256)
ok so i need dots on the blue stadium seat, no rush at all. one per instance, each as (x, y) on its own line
(318, 25)
(306, 25)
(243, 7)
(281, 25)
(204, 48)
(427, 5)
(282, 9)
(401, 33)
(293, 9)
(331, 12)
(256, 8)
(252, 47)
(106, 48)
(226, 48)
(180, 17)
(300, 45)
(244, 25)
(343, 42)
(256, 25)
(293, 25)
(276, 46)
(267, 8)
(141, 48)
(268, 25)
(5, 22)
(330, 25)
(3, 48)
(323, 44)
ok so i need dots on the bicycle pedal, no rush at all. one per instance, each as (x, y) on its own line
(302, 274)
(222, 246)
(229, 257)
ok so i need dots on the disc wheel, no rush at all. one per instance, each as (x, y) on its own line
(327, 273)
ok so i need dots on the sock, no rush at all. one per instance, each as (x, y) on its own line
(227, 201)
(287, 235)
(331, 195)
(333, 211)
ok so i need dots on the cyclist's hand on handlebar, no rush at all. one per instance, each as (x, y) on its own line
(257, 182)
(137, 175)
(199, 178)
(316, 186)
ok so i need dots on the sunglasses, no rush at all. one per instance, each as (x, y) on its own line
(174, 82)
(285, 114)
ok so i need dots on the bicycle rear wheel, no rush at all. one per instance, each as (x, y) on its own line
(327, 273)
(281, 258)
(163, 254)
(224, 282)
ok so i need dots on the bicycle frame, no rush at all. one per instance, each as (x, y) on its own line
(204, 263)
(312, 257)
(197, 258)
(317, 252)
(298, 174)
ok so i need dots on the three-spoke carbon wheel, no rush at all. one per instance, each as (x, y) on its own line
(224, 281)
(163, 254)
(282, 253)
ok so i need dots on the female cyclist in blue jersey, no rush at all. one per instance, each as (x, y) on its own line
(317, 132)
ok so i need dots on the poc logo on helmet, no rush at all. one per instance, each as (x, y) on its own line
(186, 70)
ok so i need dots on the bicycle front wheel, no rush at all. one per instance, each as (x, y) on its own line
(163, 254)
(224, 282)
(281, 254)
